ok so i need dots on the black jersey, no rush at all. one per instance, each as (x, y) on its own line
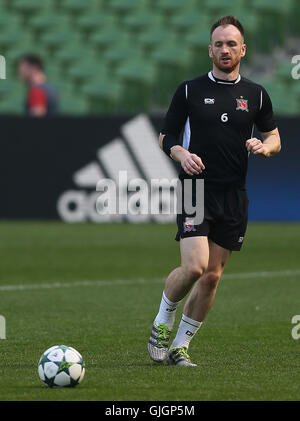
(217, 117)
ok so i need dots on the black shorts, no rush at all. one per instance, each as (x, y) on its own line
(225, 218)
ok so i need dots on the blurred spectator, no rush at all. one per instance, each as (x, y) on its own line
(42, 98)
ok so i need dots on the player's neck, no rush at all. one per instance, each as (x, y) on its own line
(218, 74)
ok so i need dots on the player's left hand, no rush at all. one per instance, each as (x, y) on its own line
(257, 147)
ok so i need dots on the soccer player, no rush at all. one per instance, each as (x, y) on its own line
(42, 98)
(217, 112)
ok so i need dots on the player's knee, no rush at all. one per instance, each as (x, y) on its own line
(211, 279)
(194, 272)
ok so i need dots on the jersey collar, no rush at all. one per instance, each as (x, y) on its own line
(210, 75)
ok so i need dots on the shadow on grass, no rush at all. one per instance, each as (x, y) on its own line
(131, 365)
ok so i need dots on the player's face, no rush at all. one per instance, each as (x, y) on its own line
(227, 48)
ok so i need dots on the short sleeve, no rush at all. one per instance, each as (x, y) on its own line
(264, 120)
(177, 113)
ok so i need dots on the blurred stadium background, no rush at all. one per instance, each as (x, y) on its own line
(117, 62)
(122, 56)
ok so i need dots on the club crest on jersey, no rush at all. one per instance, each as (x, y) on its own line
(242, 104)
(209, 100)
(188, 225)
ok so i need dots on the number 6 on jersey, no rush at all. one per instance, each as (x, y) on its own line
(224, 117)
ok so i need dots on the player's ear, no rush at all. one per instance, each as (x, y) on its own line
(243, 50)
(210, 51)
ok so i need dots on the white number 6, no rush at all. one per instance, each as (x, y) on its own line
(224, 117)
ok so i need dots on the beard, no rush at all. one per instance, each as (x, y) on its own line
(228, 67)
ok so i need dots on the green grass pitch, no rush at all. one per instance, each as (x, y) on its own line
(244, 350)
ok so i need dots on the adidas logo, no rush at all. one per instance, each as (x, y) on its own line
(135, 152)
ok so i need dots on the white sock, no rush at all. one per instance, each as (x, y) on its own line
(166, 312)
(186, 331)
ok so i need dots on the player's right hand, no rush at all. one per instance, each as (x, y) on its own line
(192, 164)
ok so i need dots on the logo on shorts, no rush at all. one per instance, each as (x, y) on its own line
(188, 225)
(241, 239)
(209, 100)
(242, 104)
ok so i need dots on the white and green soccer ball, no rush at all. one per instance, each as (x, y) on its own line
(61, 366)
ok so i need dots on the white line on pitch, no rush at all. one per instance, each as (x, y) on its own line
(265, 274)
(52, 285)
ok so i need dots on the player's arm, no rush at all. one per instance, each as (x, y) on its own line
(190, 162)
(174, 122)
(266, 124)
(270, 146)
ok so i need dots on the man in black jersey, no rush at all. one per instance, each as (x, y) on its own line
(217, 112)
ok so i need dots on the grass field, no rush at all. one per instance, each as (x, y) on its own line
(244, 350)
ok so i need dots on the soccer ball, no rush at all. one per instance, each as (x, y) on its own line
(61, 366)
